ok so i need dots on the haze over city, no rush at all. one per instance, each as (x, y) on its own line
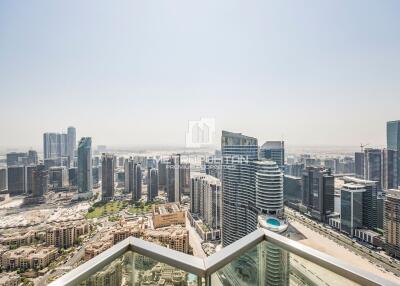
(135, 73)
(199, 143)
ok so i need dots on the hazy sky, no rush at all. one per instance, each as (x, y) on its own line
(134, 72)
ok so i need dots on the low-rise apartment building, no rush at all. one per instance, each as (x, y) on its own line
(17, 239)
(28, 257)
(168, 214)
(66, 234)
(9, 279)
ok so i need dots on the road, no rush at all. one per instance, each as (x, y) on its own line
(345, 241)
(195, 241)
(73, 261)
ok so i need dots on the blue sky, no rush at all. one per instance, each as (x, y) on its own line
(134, 72)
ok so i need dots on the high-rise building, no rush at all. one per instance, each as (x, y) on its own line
(16, 180)
(152, 184)
(52, 162)
(58, 177)
(345, 166)
(292, 189)
(96, 161)
(32, 157)
(73, 177)
(55, 145)
(392, 223)
(107, 176)
(275, 151)
(16, 158)
(252, 195)
(29, 178)
(393, 141)
(206, 199)
(51, 145)
(380, 203)
(129, 176)
(196, 193)
(351, 202)
(96, 176)
(71, 144)
(85, 166)
(359, 164)
(239, 214)
(3, 179)
(151, 163)
(318, 192)
(373, 165)
(213, 166)
(162, 175)
(389, 173)
(63, 145)
(40, 181)
(295, 169)
(184, 178)
(269, 188)
(369, 200)
(137, 182)
(121, 161)
(173, 180)
(330, 164)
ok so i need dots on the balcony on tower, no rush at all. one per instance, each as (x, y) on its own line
(263, 257)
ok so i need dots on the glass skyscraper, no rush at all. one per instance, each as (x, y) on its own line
(107, 177)
(351, 207)
(85, 166)
(239, 216)
(71, 144)
(373, 165)
(393, 141)
(275, 151)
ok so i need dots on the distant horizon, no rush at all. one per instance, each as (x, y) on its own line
(137, 73)
(155, 147)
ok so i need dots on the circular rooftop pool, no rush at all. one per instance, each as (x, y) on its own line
(273, 221)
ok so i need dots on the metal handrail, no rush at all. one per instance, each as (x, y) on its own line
(84, 271)
(326, 261)
(209, 265)
(227, 254)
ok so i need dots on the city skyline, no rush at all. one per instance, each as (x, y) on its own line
(332, 67)
(181, 144)
(199, 143)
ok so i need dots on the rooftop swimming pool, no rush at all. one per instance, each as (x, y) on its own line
(273, 221)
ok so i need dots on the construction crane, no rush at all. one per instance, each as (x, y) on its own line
(362, 146)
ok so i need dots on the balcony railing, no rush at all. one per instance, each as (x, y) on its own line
(260, 258)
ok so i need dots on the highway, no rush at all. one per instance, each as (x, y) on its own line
(195, 241)
(341, 239)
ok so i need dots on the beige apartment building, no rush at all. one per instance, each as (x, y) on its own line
(168, 214)
(9, 279)
(27, 257)
(124, 231)
(17, 239)
(176, 238)
(65, 235)
(97, 247)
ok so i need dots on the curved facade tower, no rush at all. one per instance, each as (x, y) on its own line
(269, 188)
(273, 261)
